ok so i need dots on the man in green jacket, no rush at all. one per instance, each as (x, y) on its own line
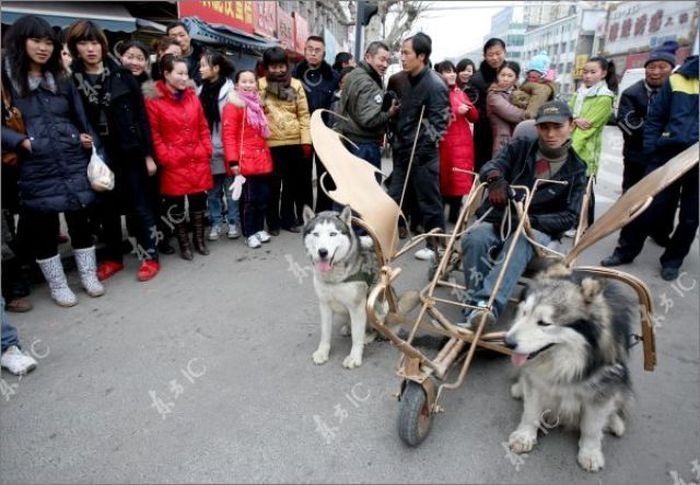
(362, 105)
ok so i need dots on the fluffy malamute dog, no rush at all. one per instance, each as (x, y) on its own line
(570, 340)
(344, 269)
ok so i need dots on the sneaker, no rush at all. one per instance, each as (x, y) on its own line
(18, 305)
(570, 233)
(425, 254)
(473, 317)
(214, 232)
(263, 236)
(234, 232)
(16, 361)
(253, 242)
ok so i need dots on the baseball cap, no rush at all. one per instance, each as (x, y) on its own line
(553, 112)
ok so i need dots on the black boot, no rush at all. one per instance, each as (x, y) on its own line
(184, 241)
(198, 233)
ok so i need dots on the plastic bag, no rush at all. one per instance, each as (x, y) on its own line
(236, 187)
(100, 176)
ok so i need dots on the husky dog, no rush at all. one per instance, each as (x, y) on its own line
(345, 267)
(570, 340)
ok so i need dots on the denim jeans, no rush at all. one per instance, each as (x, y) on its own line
(369, 152)
(222, 182)
(482, 261)
(9, 333)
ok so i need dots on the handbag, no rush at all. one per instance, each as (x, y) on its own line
(12, 119)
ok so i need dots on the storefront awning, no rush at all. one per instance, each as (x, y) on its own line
(225, 35)
(108, 16)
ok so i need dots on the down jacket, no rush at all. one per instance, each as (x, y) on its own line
(597, 107)
(53, 177)
(288, 120)
(457, 148)
(503, 116)
(243, 143)
(181, 139)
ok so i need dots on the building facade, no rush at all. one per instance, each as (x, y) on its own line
(509, 26)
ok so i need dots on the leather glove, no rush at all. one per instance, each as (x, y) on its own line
(306, 150)
(498, 189)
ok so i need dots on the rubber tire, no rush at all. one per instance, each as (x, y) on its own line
(415, 419)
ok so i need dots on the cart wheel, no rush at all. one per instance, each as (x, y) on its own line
(415, 417)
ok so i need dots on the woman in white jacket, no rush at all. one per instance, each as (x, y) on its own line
(216, 70)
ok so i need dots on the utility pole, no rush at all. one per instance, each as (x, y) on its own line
(360, 14)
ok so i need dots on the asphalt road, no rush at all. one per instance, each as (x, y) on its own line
(205, 375)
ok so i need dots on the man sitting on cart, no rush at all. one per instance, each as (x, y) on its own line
(554, 209)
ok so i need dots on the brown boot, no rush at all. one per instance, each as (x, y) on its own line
(183, 240)
(198, 233)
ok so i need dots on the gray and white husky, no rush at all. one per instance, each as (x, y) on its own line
(570, 340)
(345, 266)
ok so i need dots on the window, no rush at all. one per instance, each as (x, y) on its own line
(563, 47)
(556, 49)
(568, 67)
(560, 70)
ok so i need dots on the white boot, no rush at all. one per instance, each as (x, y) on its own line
(86, 262)
(56, 278)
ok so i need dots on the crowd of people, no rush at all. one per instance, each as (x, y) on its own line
(196, 146)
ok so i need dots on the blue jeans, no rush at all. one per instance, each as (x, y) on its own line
(482, 261)
(222, 182)
(9, 333)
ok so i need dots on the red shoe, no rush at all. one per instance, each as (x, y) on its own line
(148, 270)
(108, 269)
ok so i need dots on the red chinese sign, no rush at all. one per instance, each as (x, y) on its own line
(285, 29)
(265, 18)
(301, 32)
(233, 13)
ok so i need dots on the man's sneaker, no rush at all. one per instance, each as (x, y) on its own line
(570, 233)
(263, 236)
(425, 254)
(614, 260)
(253, 242)
(234, 232)
(214, 232)
(473, 317)
(669, 274)
(16, 361)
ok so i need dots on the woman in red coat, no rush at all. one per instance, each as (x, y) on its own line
(457, 146)
(183, 149)
(243, 136)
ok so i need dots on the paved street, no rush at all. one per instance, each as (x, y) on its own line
(205, 375)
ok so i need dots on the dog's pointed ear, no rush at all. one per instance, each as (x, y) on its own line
(590, 288)
(346, 215)
(307, 214)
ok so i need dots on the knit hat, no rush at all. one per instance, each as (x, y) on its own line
(539, 63)
(664, 52)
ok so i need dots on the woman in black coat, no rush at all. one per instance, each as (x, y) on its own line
(115, 107)
(54, 153)
(494, 57)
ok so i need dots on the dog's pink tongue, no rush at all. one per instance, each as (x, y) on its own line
(518, 359)
(324, 266)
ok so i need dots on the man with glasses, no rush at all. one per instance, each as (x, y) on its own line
(320, 82)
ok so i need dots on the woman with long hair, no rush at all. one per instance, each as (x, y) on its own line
(115, 108)
(54, 153)
(215, 70)
(183, 149)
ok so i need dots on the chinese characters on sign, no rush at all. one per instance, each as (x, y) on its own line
(233, 13)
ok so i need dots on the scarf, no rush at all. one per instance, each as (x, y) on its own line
(210, 101)
(96, 94)
(254, 112)
(281, 86)
(549, 160)
(598, 89)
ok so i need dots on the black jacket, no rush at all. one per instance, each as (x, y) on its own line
(483, 136)
(53, 177)
(129, 132)
(631, 113)
(319, 84)
(429, 90)
(555, 208)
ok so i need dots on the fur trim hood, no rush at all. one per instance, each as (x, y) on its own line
(235, 99)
